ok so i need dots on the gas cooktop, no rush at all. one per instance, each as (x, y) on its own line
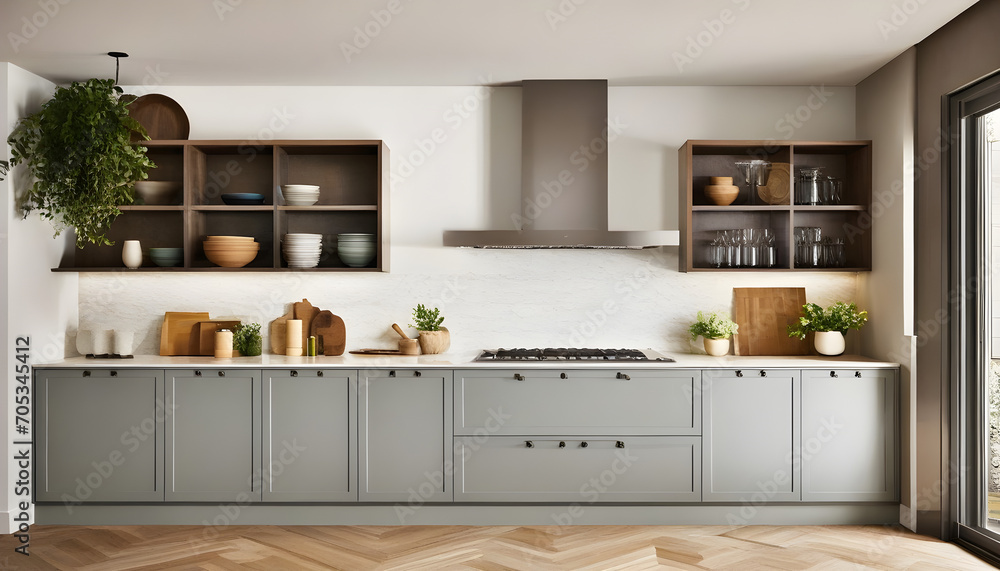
(575, 355)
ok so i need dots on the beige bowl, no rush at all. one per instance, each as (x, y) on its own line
(231, 259)
(218, 239)
(721, 180)
(722, 195)
(158, 192)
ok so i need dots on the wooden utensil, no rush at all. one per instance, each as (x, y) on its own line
(763, 314)
(330, 332)
(277, 332)
(378, 352)
(400, 331)
(175, 334)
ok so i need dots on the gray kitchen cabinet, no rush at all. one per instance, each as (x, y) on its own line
(213, 440)
(310, 445)
(405, 440)
(528, 401)
(849, 450)
(750, 435)
(575, 469)
(99, 435)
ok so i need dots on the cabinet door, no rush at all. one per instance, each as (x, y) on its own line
(849, 436)
(405, 451)
(583, 470)
(213, 436)
(99, 435)
(573, 401)
(751, 435)
(310, 445)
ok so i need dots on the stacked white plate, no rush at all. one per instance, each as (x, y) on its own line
(300, 194)
(302, 250)
(356, 250)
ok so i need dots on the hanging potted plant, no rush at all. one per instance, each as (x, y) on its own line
(79, 153)
(830, 325)
(716, 329)
(432, 337)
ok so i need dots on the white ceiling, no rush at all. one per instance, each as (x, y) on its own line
(466, 42)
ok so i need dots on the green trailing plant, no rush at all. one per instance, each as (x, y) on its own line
(838, 317)
(246, 339)
(426, 319)
(717, 325)
(79, 153)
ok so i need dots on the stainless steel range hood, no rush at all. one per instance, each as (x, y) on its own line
(564, 175)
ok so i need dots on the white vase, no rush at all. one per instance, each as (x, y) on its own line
(717, 347)
(830, 342)
(132, 254)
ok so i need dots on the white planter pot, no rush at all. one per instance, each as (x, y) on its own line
(830, 342)
(717, 347)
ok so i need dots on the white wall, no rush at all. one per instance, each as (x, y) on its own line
(887, 114)
(36, 302)
(471, 181)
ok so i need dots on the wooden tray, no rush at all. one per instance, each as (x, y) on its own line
(763, 313)
(161, 116)
(381, 352)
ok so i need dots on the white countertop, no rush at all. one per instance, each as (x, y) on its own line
(465, 361)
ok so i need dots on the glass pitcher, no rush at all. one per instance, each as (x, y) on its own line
(810, 188)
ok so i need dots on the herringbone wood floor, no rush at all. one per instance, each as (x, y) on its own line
(488, 548)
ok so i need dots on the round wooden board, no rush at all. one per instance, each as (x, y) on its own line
(778, 185)
(162, 117)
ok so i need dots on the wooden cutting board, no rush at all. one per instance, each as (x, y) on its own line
(763, 313)
(278, 332)
(177, 329)
(203, 336)
(330, 332)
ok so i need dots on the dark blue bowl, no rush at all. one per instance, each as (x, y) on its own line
(242, 198)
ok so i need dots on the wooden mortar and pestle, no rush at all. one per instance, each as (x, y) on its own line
(407, 346)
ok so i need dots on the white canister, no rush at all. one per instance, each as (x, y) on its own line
(132, 254)
(85, 342)
(123, 342)
(293, 337)
(103, 341)
(223, 344)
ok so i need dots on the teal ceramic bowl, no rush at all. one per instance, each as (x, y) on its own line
(167, 257)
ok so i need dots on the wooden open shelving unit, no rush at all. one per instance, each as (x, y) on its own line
(700, 219)
(353, 176)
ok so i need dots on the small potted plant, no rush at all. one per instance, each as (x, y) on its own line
(830, 325)
(246, 339)
(433, 338)
(716, 329)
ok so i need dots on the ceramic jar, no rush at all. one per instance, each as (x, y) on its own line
(132, 254)
(829, 342)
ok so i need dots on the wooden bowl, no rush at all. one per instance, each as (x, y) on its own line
(722, 195)
(720, 180)
(231, 259)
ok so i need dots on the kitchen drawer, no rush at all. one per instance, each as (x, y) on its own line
(579, 402)
(578, 469)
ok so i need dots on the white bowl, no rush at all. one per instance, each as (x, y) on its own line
(300, 187)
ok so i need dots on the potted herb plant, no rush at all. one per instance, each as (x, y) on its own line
(246, 339)
(78, 150)
(716, 329)
(830, 325)
(433, 338)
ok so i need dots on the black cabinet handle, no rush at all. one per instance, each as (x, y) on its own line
(197, 373)
(416, 373)
(584, 445)
(857, 374)
(518, 377)
(623, 377)
(529, 444)
(833, 374)
(86, 373)
(763, 373)
(739, 373)
(222, 373)
(294, 373)
(319, 373)
(562, 444)
(114, 373)
(563, 376)
(392, 373)
(619, 444)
